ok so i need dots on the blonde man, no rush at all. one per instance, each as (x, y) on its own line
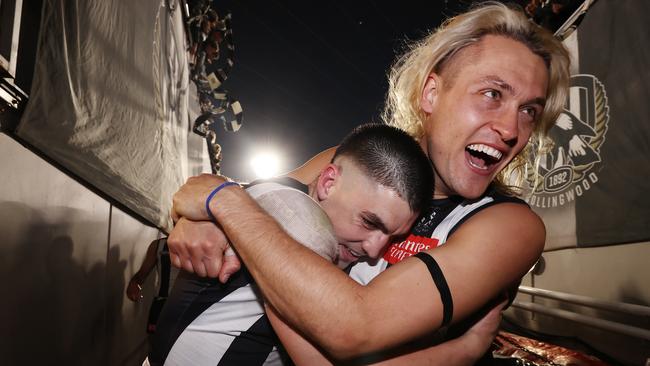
(474, 92)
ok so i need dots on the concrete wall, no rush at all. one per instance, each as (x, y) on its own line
(66, 255)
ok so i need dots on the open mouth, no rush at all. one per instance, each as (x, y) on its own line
(351, 254)
(483, 156)
(355, 254)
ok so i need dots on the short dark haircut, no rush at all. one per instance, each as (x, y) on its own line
(392, 158)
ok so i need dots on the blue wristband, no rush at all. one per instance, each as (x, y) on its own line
(207, 201)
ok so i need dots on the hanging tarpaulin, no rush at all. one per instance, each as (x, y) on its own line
(109, 99)
(595, 182)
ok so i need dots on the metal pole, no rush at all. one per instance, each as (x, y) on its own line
(618, 307)
(584, 319)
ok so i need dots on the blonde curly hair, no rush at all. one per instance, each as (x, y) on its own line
(410, 71)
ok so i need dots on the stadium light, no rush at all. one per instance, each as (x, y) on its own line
(265, 164)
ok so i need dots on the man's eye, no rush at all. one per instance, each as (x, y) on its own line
(368, 224)
(493, 94)
(531, 112)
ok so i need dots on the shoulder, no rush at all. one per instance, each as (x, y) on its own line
(287, 200)
(299, 215)
(461, 211)
(512, 224)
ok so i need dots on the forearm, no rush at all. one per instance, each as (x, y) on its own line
(309, 171)
(149, 261)
(463, 351)
(466, 349)
(341, 316)
(455, 352)
(281, 273)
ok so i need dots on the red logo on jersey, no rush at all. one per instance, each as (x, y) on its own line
(412, 245)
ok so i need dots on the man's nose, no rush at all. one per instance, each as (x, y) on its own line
(375, 244)
(507, 126)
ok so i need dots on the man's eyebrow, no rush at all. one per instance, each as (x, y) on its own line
(493, 79)
(540, 101)
(375, 221)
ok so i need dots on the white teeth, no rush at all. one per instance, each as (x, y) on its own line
(354, 253)
(486, 150)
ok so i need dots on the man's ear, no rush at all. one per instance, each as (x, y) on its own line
(430, 92)
(327, 181)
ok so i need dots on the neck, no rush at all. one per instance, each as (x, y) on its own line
(438, 192)
(311, 189)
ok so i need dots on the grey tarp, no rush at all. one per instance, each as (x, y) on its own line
(109, 100)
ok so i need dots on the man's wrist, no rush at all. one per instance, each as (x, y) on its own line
(210, 206)
(475, 345)
(220, 198)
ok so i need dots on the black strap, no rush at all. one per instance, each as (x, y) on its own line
(285, 181)
(441, 284)
(165, 269)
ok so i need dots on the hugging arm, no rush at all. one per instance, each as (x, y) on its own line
(198, 248)
(340, 315)
(465, 350)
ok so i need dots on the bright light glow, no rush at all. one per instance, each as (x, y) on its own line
(266, 164)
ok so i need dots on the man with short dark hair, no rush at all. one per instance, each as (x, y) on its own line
(355, 207)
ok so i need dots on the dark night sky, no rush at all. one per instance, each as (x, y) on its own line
(307, 72)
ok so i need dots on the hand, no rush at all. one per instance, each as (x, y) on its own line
(134, 291)
(189, 200)
(482, 333)
(201, 247)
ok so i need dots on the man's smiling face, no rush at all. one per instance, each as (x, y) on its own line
(481, 110)
(365, 215)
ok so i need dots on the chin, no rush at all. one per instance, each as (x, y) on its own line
(473, 192)
(343, 264)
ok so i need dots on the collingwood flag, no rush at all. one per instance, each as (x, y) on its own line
(594, 184)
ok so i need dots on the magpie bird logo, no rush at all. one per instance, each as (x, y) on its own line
(567, 168)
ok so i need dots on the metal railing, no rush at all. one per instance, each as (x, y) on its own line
(619, 307)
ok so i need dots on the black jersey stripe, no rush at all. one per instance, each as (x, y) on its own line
(251, 347)
(197, 295)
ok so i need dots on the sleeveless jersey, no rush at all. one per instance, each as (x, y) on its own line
(205, 322)
(431, 229)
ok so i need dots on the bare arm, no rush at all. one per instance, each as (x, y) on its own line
(339, 314)
(465, 350)
(309, 171)
(197, 249)
(134, 287)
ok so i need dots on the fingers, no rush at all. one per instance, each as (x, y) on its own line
(231, 264)
(134, 291)
(174, 215)
(179, 255)
(175, 259)
(187, 266)
(213, 266)
(196, 260)
(197, 247)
